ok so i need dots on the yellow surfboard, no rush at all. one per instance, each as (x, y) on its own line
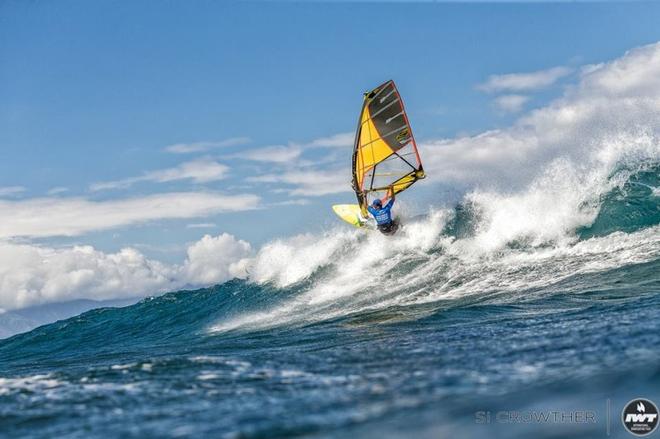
(350, 213)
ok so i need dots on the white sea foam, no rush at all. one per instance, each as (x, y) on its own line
(34, 383)
(362, 270)
(123, 366)
(206, 375)
(449, 272)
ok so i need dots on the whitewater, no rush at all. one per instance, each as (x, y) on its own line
(538, 291)
(353, 333)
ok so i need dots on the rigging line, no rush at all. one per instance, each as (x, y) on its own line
(407, 162)
(402, 155)
(407, 185)
(390, 158)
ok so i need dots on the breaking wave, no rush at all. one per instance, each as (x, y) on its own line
(491, 249)
(500, 297)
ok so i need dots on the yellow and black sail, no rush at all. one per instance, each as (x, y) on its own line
(385, 154)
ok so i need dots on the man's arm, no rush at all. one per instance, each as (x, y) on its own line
(391, 202)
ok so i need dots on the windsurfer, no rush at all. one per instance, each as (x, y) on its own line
(383, 215)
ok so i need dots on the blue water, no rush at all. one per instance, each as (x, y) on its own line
(438, 338)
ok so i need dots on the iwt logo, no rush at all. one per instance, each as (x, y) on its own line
(640, 417)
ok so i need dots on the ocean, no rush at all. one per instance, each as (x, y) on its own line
(505, 316)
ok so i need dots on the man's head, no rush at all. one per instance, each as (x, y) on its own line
(377, 203)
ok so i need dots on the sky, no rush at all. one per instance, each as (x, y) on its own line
(131, 130)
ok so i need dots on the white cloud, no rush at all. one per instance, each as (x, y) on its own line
(304, 175)
(511, 103)
(9, 191)
(309, 182)
(291, 152)
(57, 190)
(294, 202)
(199, 171)
(215, 259)
(590, 68)
(200, 225)
(341, 140)
(612, 111)
(32, 275)
(43, 217)
(272, 154)
(524, 81)
(187, 148)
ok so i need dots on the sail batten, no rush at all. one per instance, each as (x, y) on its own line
(379, 166)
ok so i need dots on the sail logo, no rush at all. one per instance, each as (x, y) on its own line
(640, 417)
(403, 136)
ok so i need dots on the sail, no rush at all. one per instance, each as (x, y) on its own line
(385, 153)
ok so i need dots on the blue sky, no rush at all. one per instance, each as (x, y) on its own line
(95, 92)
